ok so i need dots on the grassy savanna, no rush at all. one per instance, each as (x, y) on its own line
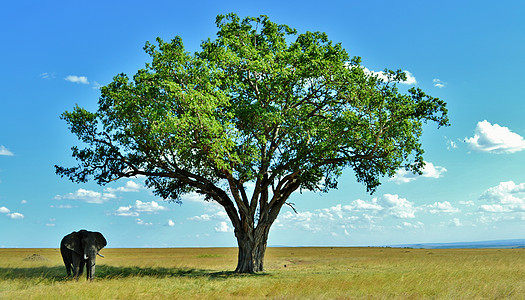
(380, 273)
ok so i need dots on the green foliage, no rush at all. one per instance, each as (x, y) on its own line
(248, 104)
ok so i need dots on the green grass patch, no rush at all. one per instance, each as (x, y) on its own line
(291, 273)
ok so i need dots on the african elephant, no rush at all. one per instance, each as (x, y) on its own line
(80, 248)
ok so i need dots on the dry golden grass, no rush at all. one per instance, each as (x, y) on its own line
(291, 273)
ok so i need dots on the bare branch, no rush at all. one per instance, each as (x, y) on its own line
(291, 205)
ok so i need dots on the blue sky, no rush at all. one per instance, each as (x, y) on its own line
(56, 54)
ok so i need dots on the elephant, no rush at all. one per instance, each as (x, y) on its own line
(80, 248)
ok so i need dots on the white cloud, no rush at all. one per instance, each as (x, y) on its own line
(455, 223)
(142, 222)
(429, 171)
(332, 212)
(151, 207)
(410, 78)
(495, 139)
(220, 215)
(211, 207)
(223, 227)
(16, 215)
(441, 207)
(125, 211)
(148, 207)
(414, 225)
(503, 198)
(364, 205)
(130, 186)
(397, 207)
(438, 83)
(495, 208)
(5, 151)
(96, 85)
(77, 79)
(504, 192)
(501, 217)
(302, 220)
(87, 196)
(403, 176)
(23, 202)
(345, 231)
(193, 197)
(45, 75)
(171, 223)
(201, 218)
(359, 214)
(451, 145)
(61, 206)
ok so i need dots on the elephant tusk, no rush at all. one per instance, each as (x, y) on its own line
(100, 255)
(85, 256)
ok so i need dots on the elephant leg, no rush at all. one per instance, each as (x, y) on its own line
(81, 267)
(67, 263)
(68, 269)
(88, 272)
(77, 265)
(66, 257)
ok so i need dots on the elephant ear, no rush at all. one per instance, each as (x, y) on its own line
(72, 242)
(100, 240)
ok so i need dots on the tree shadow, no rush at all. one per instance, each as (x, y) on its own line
(58, 273)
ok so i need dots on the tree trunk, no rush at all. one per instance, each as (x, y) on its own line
(252, 247)
(252, 238)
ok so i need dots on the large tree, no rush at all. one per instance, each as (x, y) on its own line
(260, 105)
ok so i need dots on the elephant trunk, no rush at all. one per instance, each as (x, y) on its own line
(91, 258)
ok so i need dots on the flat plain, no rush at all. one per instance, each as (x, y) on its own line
(291, 273)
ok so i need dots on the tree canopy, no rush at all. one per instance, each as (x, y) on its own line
(258, 104)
